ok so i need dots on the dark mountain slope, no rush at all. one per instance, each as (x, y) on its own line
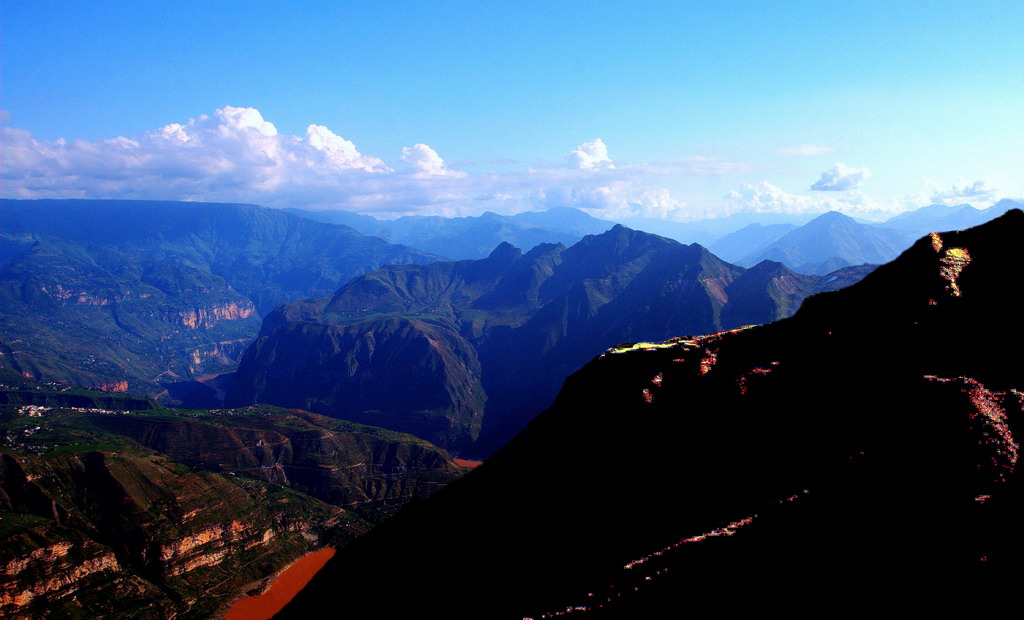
(862, 453)
(460, 351)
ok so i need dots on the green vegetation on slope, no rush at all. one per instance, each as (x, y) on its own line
(142, 295)
(160, 513)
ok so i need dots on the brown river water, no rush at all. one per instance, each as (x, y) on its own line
(291, 580)
(282, 590)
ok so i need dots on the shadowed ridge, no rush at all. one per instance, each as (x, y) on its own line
(862, 451)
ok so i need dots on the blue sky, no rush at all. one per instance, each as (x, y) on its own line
(680, 109)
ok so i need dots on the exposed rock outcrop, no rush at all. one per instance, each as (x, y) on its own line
(157, 515)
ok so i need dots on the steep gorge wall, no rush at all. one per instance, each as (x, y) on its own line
(153, 539)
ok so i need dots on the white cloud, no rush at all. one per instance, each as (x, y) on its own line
(764, 197)
(427, 163)
(236, 155)
(962, 192)
(806, 150)
(328, 147)
(841, 177)
(232, 155)
(589, 155)
(659, 204)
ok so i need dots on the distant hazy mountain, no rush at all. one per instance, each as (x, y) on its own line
(135, 294)
(565, 218)
(935, 218)
(859, 455)
(738, 245)
(708, 231)
(824, 245)
(831, 241)
(265, 254)
(365, 224)
(462, 351)
(471, 237)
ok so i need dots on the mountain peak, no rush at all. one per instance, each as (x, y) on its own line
(505, 251)
(770, 266)
(831, 217)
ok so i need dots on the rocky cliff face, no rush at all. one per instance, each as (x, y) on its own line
(95, 317)
(160, 515)
(864, 451)
(107, 292)
(142, 522)
(337, 462)
(54, 571)
(465, 353)
(394, 372)
(205, 318)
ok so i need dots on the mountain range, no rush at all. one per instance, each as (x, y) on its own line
(470, 237)
(465, 353)
(805, 451)
(147, 296)
(833, 240)
(828, 242)
(139, 295)
(859, 455)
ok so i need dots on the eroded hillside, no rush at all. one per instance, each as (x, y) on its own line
(154, 514)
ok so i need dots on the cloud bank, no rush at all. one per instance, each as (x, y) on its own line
(232, 155)
(764, 197)
(962, 192)
(236, 155)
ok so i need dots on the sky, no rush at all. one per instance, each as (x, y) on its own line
(680, 110)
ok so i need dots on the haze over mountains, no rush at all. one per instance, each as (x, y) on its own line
(825, 242)
(149, 296)
(471, 237)
(262, 253)
(833, 240)
(863, 451)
